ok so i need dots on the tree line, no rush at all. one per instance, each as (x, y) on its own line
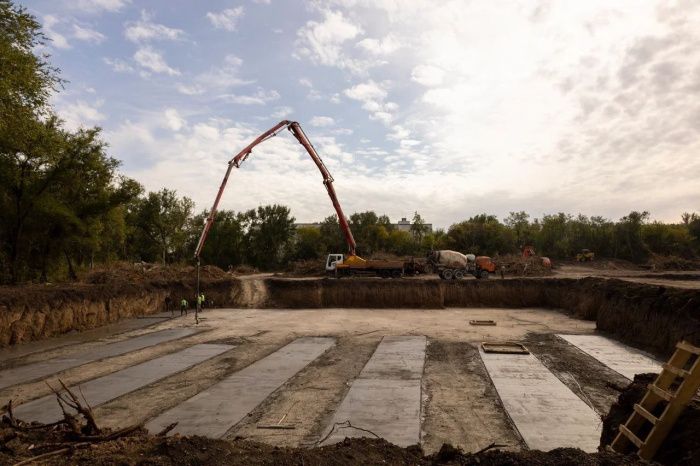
(64, 206)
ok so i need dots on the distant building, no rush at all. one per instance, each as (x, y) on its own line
(403, 225)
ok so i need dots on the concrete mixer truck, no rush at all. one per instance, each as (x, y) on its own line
(453, 265)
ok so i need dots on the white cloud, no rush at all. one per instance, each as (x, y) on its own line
(57, 39)
(226, 19)
(322, 121)
(81, 114)
(322, 42)
(373, 95)
(190, 89)
(385, 46)
(152, 60)
(118, 65)
(259, 97)
(173, 120)
(282, 112)
(428, 75)
(368, 91)
(306, 82)
(94, 6)
(145, 30)
(87, 34)
(216, 79)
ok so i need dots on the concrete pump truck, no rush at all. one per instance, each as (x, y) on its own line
(337, 265)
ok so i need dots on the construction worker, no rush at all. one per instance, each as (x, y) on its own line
(183, 306)
(202, 301)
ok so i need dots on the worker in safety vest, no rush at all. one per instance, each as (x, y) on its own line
(183, 306)
(201, 300)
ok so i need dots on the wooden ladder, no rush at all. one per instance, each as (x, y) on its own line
(659, 392)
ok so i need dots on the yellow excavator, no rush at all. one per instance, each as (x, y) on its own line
(585, 255)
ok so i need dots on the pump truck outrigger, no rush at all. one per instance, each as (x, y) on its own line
(338, 265)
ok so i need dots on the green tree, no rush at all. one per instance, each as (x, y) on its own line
(270, 236)
(332, 238)
(161, 222)
(226, 241)
(418, 227)
(308, 244)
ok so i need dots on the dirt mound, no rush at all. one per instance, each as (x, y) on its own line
(306, 268)
(672, 263)
(681, 447)
(124, 272)
(519, 266)
(139, 447)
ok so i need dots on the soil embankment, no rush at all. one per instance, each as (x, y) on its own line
(681, 447)
(35, 312)
(649, 316)
(652, 317)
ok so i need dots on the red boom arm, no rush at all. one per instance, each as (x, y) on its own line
(299, 134)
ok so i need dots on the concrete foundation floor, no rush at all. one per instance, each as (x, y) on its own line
(458, 401)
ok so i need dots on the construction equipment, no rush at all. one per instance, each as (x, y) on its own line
(453, 265)
(663, 403)
(338, 264)
(585, 256)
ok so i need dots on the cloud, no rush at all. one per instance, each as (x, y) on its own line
(216, 79)
(322, 42)
(86, 34)
(81, 114)
(57, 40)
(282, 112)
(95, 6)
(306, 82)
(226, 19)
(190, 89)
(385, 46)
(152, 60)
(118, 65)
(373, 95)
(322, 121)
(428, 75)
(145, 30)
(173, 120)
(259, 97)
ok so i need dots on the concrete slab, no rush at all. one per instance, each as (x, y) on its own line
(546, 413)
(109, 387)
(623, 359)
(397, 357)
(386, 397)
(214, 411)
(38, 370)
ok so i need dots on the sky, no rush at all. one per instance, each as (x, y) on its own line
(448, 108)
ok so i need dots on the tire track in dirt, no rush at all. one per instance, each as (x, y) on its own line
(587, 377)
(462, 406)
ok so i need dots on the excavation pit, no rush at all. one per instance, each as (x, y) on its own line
(449, 392)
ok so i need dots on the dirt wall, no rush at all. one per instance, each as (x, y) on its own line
(648, 316)
(35, 312)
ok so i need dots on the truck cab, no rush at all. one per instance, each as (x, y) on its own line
(332, 261)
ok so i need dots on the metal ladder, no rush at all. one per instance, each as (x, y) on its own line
(659, 392)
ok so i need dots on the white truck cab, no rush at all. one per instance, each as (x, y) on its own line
(332, 261)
